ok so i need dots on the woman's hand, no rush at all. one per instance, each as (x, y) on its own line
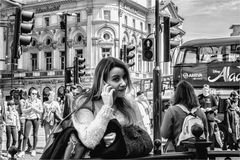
(109, 138)
(107, 95)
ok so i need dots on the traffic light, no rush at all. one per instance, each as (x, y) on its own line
(69, 75)
(128, 55)
(22, 27)
(79, 68)
(170, 32)
(147, 49)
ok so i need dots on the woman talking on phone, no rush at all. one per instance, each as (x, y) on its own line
(106, 101)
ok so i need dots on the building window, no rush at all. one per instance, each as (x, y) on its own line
(34, 62)
(141, 26)
(63, 40)
(79, 53)
(78, 38)
(134, 23)
(106, 52)
(48, 60)
(107, 15)
(126, 20)
(48, 41)
(62, 59)
(46, 21)
(106, 36)
(78, 17)
(149, 28)
(139, 63)
(33, 43)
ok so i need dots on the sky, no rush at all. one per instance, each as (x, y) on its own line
(207, 18)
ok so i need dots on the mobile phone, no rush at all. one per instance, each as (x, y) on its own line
(114, 92)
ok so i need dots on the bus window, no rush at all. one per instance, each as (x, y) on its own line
(180, 56)
(190, 57)
(205, 54)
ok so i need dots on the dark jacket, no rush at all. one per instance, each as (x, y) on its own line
(58, 149)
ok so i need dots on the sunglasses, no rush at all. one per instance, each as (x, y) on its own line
(34, 93)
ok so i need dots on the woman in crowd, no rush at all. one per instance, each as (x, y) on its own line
(232, 116)
(50, 109)
(106, 101)
(33, 112)
(12, 124)
(174, 116)
(22, 101)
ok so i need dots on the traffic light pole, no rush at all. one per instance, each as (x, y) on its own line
(157, 99)
(65, 56)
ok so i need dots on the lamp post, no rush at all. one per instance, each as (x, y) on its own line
(64, 26)
(157, 99)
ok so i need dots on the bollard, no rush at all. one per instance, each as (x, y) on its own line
(197, 145)
(12, 151)
(157, 145)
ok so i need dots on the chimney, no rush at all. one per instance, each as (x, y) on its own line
(149, 3)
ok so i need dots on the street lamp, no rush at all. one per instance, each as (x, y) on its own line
(64, 26)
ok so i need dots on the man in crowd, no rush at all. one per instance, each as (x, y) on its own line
(208, 104)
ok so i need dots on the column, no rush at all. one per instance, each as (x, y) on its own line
(89, 54)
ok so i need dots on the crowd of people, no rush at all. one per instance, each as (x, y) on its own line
(24, 114)
(108, 99)
(207, 105)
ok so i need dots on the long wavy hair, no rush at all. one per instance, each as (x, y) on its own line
(23, 94)
(100, 76)
(185, 95)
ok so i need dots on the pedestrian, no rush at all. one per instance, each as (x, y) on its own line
(209, 105)
(2, 123)
(106, 101)
(145, 110)
(12, 124)
(33, 114)
(174, 116)
(69, 98)
(22, 103)
(51, 114)
(233, 120)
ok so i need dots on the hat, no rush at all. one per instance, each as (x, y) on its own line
(11, 102)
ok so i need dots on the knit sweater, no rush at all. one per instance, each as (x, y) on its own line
(91, 125)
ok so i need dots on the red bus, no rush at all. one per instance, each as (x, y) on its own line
(210, 61)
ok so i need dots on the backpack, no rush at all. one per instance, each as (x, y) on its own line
(189, 121)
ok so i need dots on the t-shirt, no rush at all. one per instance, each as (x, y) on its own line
(207, 101)
(49, 108)
(36, 104)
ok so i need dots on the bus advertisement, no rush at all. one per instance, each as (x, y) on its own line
(215, 62)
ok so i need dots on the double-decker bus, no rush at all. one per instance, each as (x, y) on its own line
(210, 61)
(215, 62)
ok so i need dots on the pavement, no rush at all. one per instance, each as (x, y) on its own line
(39, 148)
(41, 145)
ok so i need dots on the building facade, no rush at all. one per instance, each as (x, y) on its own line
(99, 29)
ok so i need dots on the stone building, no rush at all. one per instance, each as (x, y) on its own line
(98, 30)
(236, 30)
